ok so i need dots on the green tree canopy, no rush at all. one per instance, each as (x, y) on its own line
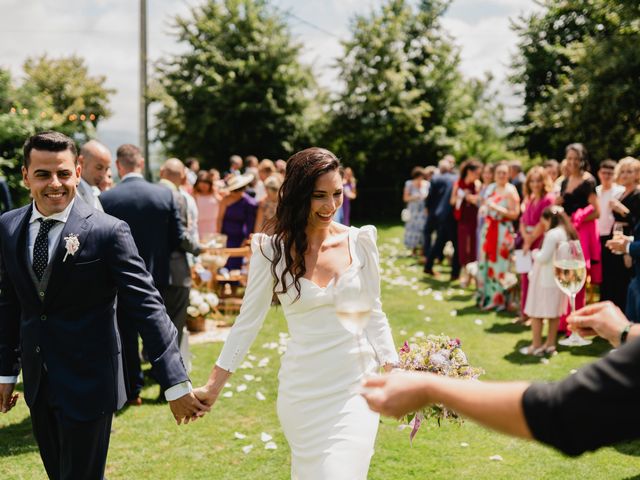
(578, 67)
(238, 88)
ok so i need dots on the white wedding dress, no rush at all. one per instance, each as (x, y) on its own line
(330, 430)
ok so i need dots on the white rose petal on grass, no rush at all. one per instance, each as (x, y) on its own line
(227, 394)
(496, 458)
(421, 307)
(403, 332)
(453, 313)
(249, 378)
(404, 426)
(464, 444)
(252, 358)
(258, 379)
(260, 396)
(240, 436)
(247, 448)
(241, 388)
(544, 361)
(427, 319)
(263, 363)
(246, 365)
(265, 437)
(477, 321)
(227, 385)
(573, 371)
(420, 334)
(270, 446)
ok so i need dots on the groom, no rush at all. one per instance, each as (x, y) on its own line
(63, 264)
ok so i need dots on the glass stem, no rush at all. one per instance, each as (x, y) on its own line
(572, 299)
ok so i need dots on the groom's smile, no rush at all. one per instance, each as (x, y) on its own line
(52, 178)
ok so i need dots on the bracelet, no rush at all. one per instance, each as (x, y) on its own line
(625, 333)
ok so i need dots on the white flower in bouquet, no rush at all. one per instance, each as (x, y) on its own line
(212, 299)
(193, 311)
(204, 308)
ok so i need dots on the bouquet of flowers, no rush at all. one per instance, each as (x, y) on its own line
(441, 355)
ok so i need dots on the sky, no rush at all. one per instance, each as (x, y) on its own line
(105, 33)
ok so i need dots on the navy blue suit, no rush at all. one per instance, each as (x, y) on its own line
(440, 218)
(153, 217)
(66, 338)
(632, 310)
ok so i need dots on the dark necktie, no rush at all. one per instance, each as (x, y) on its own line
(41, 247)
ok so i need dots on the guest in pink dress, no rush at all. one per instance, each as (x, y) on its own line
(537, 191)
(208, 202)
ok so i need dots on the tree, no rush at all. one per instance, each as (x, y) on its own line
(405, 102)
(56, 94)
(578, 69)
(239, 88)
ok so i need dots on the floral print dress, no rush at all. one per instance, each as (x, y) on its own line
(495, 253)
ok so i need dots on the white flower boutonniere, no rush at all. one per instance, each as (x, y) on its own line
(71, 244)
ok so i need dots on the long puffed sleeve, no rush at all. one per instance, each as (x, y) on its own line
(551, 240)
(378, 331)
(256, 303)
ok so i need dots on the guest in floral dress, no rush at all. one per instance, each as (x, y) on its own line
(415, 192)
(487, 181)
(503, 206)
(538, 195)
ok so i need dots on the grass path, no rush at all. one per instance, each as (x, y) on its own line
(146, 444)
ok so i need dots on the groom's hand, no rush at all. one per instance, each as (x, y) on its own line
(396, 394)
(8, 399)
(187, 408)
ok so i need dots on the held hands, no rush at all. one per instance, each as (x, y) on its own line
(187, 408)
(604, 319)
(206, 394)
(8, 399)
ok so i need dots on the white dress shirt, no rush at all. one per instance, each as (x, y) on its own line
(55, 232)
(606, 220)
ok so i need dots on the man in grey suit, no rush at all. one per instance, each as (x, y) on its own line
(95, 160)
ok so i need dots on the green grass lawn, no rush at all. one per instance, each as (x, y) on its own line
(146, 443)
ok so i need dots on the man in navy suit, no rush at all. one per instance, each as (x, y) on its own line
(154, 219)
(440, 217)
(63, 264)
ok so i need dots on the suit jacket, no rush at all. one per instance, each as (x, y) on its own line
(5, 197)
(152, 214)
(439, 195)
(86, 193)
(69, 326)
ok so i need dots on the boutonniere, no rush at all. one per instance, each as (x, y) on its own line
(71, 244)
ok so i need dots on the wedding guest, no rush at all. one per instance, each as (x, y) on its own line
(626, 213)
(551, 413)
(607, 191)
(107, 181)
(487, 180)
(235, 167)
(429, 171)
(537, 196)
(544, 299)
(237, 216)
(552, 167)
(193, 167)
(95, 160)
(255, 187)
(502, 207)
(5, 196)
(281, 167)
(415, 192)
(516, 176)
(328, 426)
(217, 181)
(440, 218)
(268, 206)
(580, 202)
(250, 161)
(464, 199)
(208, 203)
(350, 193)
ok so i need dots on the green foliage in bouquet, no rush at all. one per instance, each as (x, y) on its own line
(441, 355)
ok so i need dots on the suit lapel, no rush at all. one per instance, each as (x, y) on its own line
(20, 247)
(78, 225)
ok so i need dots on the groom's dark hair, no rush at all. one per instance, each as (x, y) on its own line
(48, 141)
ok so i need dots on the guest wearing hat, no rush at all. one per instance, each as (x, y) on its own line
(237, 216)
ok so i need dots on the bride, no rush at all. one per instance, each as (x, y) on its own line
(328, 426)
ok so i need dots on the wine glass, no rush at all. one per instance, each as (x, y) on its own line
(618, 233)
(353, 304)
(570, 271)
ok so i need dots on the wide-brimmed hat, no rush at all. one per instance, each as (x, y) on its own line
(238, 181)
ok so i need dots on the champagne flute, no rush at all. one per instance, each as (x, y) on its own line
(570, 271)
(618, 233)
(353, 306)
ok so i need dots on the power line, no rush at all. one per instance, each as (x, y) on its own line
(288, 13)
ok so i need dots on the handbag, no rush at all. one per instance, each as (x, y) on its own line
(405, 215)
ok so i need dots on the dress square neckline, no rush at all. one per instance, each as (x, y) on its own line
(350, 244)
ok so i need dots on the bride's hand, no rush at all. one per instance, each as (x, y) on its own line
(206, 394)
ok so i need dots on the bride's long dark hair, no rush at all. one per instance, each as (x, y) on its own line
(289, 239)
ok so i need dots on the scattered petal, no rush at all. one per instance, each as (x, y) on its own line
(427, 319)
(227, 385)
(227, 394)
(260, 396)
(246, 365)
(258, 379)
(246, 449)
(270, 446)
(453, 313)
(477, 321)
(497, 458)
(249, 377)
(265, 437)
(403, 332)
(239, 436)
(403, 426)
(252, 358)
(241, 388)
(421, 307)
(544, 361)
(420, 334)
(263, 363)
(464, 444)
(573, 371)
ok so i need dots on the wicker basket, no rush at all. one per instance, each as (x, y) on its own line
(195, 324)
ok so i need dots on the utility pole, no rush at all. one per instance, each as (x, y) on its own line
(144, 137)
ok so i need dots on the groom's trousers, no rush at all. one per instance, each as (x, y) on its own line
(70, 449)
